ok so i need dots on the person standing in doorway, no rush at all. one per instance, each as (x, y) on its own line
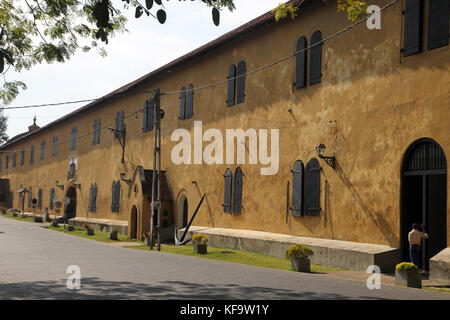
(415, 240)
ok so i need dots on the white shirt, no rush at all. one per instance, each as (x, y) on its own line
(415, 237)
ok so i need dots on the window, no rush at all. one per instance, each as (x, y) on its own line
(237, 196)
(148, 116)
(7, 162)
(315, 67)
(186, 102)
(31, 155)
(22, 158)
(300, 63)
(97, 130)
(231, 85)
(55, 146)
(241, 70)
(120, 127)
(14, 160)
(73, 139)
(227, 191)
(93, 197)
(438, 23)
(52, 198)
(312, 188)
(115, 203)
(43, 150)
(412, 42)
(182, 103)
(297, 188)
(30, 197)
(39, 204)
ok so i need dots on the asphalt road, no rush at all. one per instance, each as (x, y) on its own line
(34, 260)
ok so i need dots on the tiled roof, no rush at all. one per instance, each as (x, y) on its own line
(166, 193)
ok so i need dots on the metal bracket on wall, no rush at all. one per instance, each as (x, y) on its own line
(121, 140)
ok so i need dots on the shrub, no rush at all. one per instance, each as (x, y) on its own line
(298, 251)
(199, 238)
(406, 266)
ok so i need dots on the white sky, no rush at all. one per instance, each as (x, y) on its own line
(147, 46)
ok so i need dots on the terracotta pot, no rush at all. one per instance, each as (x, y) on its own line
(201, 248)
(90, 232)
(410, 278)
(301, 264)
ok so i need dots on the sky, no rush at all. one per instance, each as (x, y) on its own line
(147, 46)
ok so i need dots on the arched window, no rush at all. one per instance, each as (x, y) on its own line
(300, 63)
(231, 85)
(312, 188)
(241, 70)
(237, 196)
(228, 177)
(297, 188)
(315, 69)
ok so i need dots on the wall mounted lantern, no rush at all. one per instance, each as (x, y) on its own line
(61, 186)
(122, 177)
(320, 150)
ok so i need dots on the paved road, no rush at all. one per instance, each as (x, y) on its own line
(33, 264)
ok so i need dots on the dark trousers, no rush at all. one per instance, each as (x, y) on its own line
(415, 255)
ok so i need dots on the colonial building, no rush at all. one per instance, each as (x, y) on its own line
(378, 99)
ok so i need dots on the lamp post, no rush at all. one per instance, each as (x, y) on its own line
(320, 150)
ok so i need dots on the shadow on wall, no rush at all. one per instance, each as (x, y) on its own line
(94, 288)
(384, 227)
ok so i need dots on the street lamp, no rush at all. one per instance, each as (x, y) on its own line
(320, 150)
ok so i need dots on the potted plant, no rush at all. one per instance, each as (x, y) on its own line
(407, 275)
(200, 243)
(299, 256)
(89, 230)
(70, 228)
(113, 235)
(38, 219)
(55, 223)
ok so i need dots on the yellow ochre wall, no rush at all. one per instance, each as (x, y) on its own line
(371, 105)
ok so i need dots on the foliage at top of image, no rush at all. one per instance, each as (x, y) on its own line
(298, 251)
(406, 266)
(199, 238)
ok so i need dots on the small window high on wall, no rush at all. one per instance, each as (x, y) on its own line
(300, 63)
(148, 115)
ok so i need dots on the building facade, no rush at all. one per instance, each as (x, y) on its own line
(378, 99)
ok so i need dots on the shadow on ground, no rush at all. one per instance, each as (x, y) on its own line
(96, 289)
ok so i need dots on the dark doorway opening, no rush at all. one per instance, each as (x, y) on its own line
(424, 197)
(71, 208)
(185, 213)
(133, 223)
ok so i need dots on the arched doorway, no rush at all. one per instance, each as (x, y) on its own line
(133, 223)
(71, 208)
(424, 197)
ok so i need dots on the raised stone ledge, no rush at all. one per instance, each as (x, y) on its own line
(335, 253)
(102, 224)
(440, 267)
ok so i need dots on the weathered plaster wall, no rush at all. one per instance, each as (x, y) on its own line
(370, 106)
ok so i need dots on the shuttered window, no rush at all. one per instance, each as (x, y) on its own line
(22, 158)
(43, 150)
(312, 188)
(148, 115)
(190, 102)
(30, 197)
(93, 197)
(297, 188)
(183, 104)
(7, 162)
(228, 177)
(412, 42)
(120, 124)
(55, 147)
(438, 23)
(115, 204)
(231, 85)
(237, 196)
(315, 68)
(52, 197)
(73, 139)
(14, 160)
(300, 63)
(97, 130)
(31, 156)
(241, 70)
(40, 199)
